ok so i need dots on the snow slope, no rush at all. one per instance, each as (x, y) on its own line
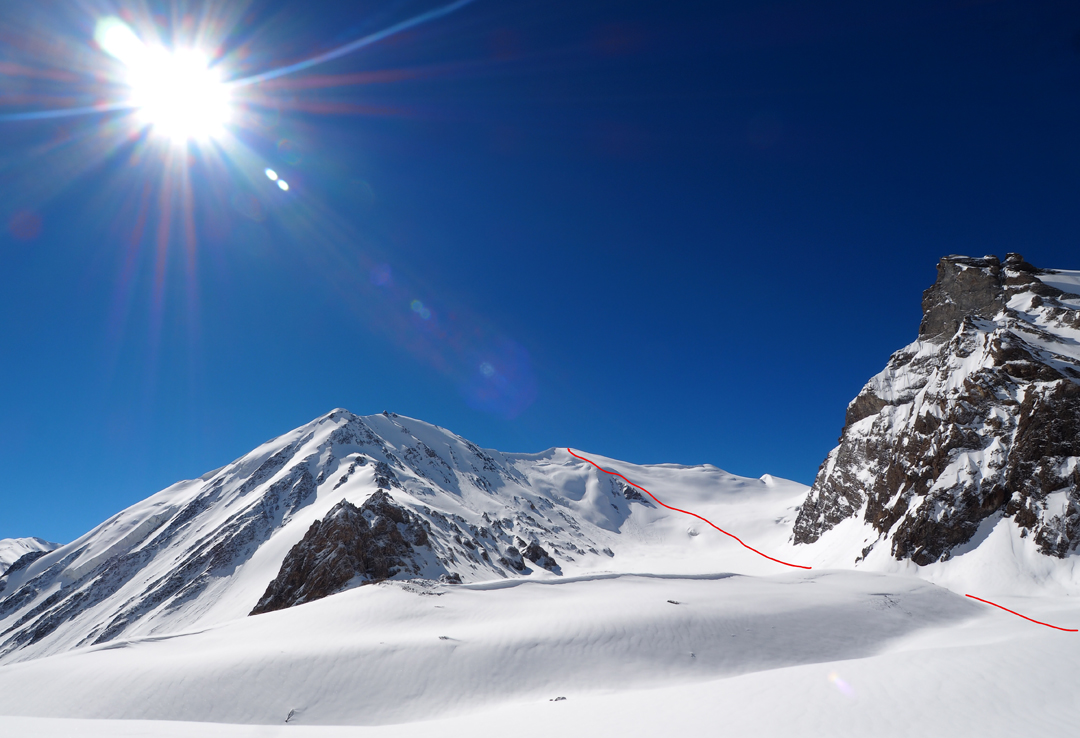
(1065, 280)
(825, 653)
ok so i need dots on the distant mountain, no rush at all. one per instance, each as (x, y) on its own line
(972, 430)
(348, 500)
(14, 549)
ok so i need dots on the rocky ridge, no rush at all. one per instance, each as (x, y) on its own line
(976, 421)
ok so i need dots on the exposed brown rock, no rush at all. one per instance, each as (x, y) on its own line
(536, 553)
(368, 544)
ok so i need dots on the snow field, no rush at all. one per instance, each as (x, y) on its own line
(384, 654)
(975, 671)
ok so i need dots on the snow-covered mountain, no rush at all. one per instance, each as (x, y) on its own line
(969, 438)
(536, 594)
(504, 578)
(13, 549)
(346, 500)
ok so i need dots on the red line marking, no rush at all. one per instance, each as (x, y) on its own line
(687, 512)
(770, 558)
(1025, 617)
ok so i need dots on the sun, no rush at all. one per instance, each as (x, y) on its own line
(177, 94)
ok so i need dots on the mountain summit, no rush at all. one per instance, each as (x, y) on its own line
(974, 424)
(345, 501)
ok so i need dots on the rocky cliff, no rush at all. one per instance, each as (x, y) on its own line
(976, 421)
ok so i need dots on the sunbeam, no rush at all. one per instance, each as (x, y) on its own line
(180, 86)
(356, 45)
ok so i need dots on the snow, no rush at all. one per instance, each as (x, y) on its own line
(432, 653)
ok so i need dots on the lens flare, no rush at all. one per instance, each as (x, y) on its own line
(380, 275)
(420, 309)
(841, 685)
(503, 382)
(118, 40)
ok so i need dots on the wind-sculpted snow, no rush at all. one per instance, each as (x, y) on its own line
(404, 652)
(976, 424)
(207, 551)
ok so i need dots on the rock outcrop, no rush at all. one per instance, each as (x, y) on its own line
(536, 553)
(979, 419)
(351, 545)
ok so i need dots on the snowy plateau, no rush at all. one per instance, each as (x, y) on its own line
(382, 576)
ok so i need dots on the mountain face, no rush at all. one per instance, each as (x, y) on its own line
(13, 551)
(975, 422)
(346, 501)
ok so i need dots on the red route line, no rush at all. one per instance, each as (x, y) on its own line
(770, 558)
(1025, 617)
(687, 512)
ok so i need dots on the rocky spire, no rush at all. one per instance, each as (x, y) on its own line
(980, 417)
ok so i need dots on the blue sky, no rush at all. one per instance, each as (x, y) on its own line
(663, 232)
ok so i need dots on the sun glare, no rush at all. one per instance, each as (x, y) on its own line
(176, 93)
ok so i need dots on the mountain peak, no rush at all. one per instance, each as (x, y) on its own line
(969, 287)
(342, 501)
